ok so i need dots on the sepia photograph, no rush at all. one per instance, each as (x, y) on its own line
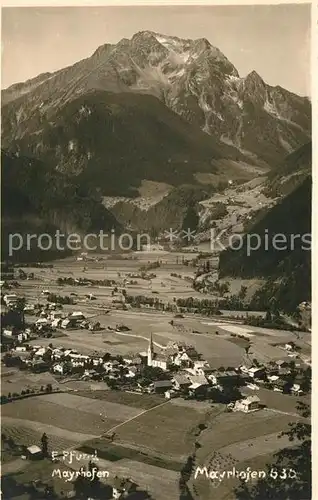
(156, 235)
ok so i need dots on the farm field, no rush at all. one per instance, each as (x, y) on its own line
(167, 437)
(142, 401)
(162, 484)
(237, 440)
(202, 488)
(14, 380)
(36, 410)
(277, 401)
(169, 429)
(235, 427)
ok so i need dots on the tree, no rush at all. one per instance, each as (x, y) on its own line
(268, 316)
(306, 380)
(19, 307)
(242, 293)
(289, 476)
(79, 484)
(191, 219)
(44, 444)
(94, 483)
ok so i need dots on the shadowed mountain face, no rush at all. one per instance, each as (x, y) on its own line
(191, 77)
(295, 168)
(113, 141)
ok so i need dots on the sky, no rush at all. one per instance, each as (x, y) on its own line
(274, 40)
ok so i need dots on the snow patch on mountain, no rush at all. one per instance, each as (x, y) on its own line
(169, 42)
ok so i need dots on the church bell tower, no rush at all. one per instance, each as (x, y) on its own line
(150, 352)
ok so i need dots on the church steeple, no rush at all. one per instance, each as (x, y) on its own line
(150, 351)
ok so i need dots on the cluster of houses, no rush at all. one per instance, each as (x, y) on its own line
(56, 319)
(11, 299)
(187, 374)
(183, 371)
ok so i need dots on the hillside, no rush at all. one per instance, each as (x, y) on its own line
(172, 211)
(291, 172)
(191, 77)
(114, 141)
(288, 269)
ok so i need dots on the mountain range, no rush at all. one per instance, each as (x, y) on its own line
(153, 108)
(190, 77)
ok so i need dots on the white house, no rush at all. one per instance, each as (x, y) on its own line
(97, 361)
(296, 390)
(74, 356)
(23, 336)
(128, 359)
(182, 358)
(247, 405)
(55, 315)
(66, 323)
(77, 315)
(56, 323)
(256, 372)
(40, 352)
(244, 369)
(29, 308)
(42, 322)
(8, 331)
(59, 368)
(10, 298)
(290, 346)
(21, 348)
(132, 372)
(160, 361)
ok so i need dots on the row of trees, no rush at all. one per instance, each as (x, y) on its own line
(59, 299)
(25, 392)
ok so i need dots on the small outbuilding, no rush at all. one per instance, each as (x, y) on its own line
(34, 452)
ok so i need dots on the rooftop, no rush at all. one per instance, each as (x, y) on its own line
(162, 383)
(33, 449)
(252, 399)
(181, 379)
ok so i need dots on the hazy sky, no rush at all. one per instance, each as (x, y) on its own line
(273, 40)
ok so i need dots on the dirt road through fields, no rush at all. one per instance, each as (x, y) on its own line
(136, 416)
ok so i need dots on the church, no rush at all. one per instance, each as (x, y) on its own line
(156, 360)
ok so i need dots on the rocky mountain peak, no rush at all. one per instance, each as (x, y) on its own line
(102, 50)
(202, 44)
(254, 77)
(192, 77)
(254, 88)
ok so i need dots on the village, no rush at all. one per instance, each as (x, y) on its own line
(177, 371)
(73, 339)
